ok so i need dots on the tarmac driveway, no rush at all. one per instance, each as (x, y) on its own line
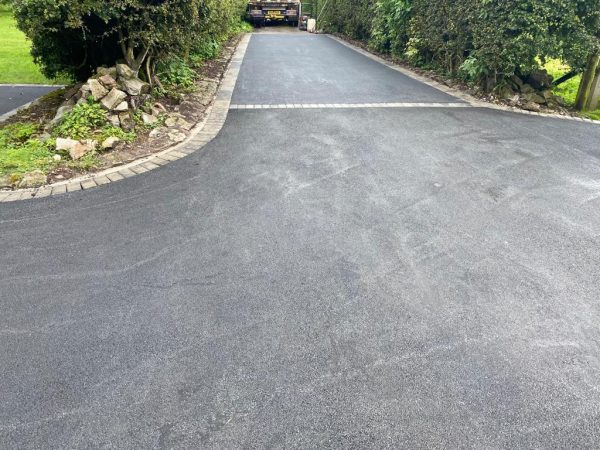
(418, 277)
(13, 97)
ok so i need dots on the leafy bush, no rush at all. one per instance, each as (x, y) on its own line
(350, 17)
(81, 121)
(175, 72)
(485, 41)
(76, 37)
(390, 33)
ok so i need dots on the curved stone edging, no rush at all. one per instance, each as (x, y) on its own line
(473, 101)
(204, 132)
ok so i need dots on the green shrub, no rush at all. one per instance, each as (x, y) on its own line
(81, 121)
(390, 33)
(175, 72)
(484, 41)
(75, 37)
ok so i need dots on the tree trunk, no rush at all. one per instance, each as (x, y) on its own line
(585, 88)
(594, 99)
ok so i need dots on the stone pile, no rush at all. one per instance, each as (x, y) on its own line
(118, 89)
(531, 92)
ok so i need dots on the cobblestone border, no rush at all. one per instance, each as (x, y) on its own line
(473, 101)
(204, 132)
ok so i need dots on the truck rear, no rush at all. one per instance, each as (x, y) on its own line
(262, 12)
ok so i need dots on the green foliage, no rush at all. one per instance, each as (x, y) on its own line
(350, 17)
(390, 33)
(89, 121)
(21, 152)
(592, 114)
(484, 41)
(81, 121)
(76, 36)
(472, 69)
(112, 131)
(175, 72)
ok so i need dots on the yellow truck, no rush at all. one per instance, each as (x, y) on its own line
(263, 12)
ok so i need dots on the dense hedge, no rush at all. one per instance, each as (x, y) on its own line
(75, 37)
(350, 17)
(482, 40)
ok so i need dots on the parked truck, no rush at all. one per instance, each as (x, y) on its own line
(262, 12)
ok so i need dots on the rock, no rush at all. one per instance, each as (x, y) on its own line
(506, 93)
(126, 121)
(65, 144)
(515, 100)
(71, 92)
(208, 86)
(107, 81)
(171, 121)
(534, 97)
(157, 132)
(110, 71)
(5, 181)
(57, 157)
(159, 107)
(517, 82)
(98, 91)
(124, 71)
(531, 106)
(123, 106)
(75, 148)
(114, 120)
(83, 148)
(113, 99)
(60, 112)
(527, 89)
(110, 143)
(176, 136)
(32, 179)
(134, 86)
(84, 92)
(548, 95)
(138, 102)
(190, 110)
(149, 119)
(184, 124)
(539, 79)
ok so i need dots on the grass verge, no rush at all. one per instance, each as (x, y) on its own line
(16, 63)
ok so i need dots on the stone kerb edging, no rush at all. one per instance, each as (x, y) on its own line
(473, 101)
(204, 132)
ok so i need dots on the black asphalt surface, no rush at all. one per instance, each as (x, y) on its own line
(287, 69)
(400, 278)
(13, 97)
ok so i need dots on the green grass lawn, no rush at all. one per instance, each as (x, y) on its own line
(568, 89)
(16, 63)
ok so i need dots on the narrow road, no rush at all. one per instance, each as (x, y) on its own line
(13, 97)
(419, 277)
